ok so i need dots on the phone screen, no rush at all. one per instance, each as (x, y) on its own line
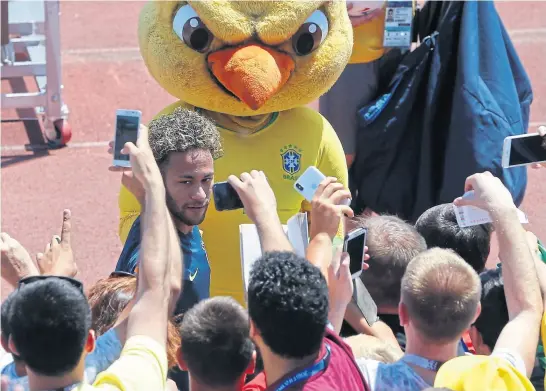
(126, 131)
(355, 249)
(526, 150)
(225, 197)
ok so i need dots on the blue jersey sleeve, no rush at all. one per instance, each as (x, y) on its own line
(128, 260)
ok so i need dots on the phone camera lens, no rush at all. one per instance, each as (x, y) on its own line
(300, 187)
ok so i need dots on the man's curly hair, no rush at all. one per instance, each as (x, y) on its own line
(288, 303)
(181, 131)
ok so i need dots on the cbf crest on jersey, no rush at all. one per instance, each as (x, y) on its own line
(291, 161)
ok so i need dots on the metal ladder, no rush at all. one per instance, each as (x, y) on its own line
(31, 47)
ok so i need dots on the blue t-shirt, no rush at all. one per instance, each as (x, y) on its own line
(196, 272)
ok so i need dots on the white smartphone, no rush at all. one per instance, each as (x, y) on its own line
(308, 182)
(354, 244)
(523, 150)
(127, 125)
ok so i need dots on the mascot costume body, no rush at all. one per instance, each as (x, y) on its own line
(251, 66)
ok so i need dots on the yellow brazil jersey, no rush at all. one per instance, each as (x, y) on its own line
(292, 141)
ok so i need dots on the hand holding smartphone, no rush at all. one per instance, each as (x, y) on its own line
(127, 127)
(354, 244)
(308, 183)
(523, 150)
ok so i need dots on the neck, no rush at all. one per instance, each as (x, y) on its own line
(436, 352)
(20, 368)
(185, 229)
(40, 382)
(241, 125)
(195, 385)
(387, 310)
(429, 350)
(276, 367)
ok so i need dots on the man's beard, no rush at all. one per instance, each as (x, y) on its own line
(178, 213)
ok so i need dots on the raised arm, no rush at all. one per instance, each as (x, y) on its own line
(261, 207)
(521, 286)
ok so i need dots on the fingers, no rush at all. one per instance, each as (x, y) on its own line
(111, 147)
(39, 257)
(340, 196)
(325, 182)
(235, 182)
(66, 229)
(347, 211)
(245, 176)
(118, 169)
(542, 130)
(331, 189)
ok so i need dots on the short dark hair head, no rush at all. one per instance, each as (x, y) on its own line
(494, 314)
(392, 244)
(439, 227)
(288, 303)
(216, 343)
(183, 130)
(50, 321)
(5, 319)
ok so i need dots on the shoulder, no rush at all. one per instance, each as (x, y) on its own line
(141, 355)
(256, 384)
(513, 358)
(311, 120)
(172, 107)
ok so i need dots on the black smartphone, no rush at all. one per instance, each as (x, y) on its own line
(354, 244)
(225, 197)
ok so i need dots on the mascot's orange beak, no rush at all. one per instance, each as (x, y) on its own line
(253, 73)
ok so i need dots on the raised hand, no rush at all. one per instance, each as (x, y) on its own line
(15, 262)
(58, 257)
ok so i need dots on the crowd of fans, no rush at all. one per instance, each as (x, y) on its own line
(444, 321)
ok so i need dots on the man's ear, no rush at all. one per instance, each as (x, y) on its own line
(478, 312)
(5, 343)
(403, 314)
(253, 330)
(252, 364)
(91, 342)
(180, 360)
(11, 347)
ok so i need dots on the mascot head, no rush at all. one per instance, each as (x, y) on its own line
(246, 58)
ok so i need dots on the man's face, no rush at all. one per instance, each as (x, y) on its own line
(188, 180)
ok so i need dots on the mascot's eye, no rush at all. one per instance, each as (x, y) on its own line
(311, 33)
(189, 28)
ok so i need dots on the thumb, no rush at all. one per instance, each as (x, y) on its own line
(129, 149)
(66, 230)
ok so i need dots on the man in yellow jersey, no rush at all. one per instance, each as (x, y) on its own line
(357, 85)
(283, 148)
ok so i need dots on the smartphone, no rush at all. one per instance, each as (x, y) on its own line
(308, 182)
(354, 244)
(127, 125)
(523, 150)
(225, 197)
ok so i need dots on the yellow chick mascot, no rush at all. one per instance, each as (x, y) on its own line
(251, 66)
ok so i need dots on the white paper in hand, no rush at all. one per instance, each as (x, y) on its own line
(468, 216)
